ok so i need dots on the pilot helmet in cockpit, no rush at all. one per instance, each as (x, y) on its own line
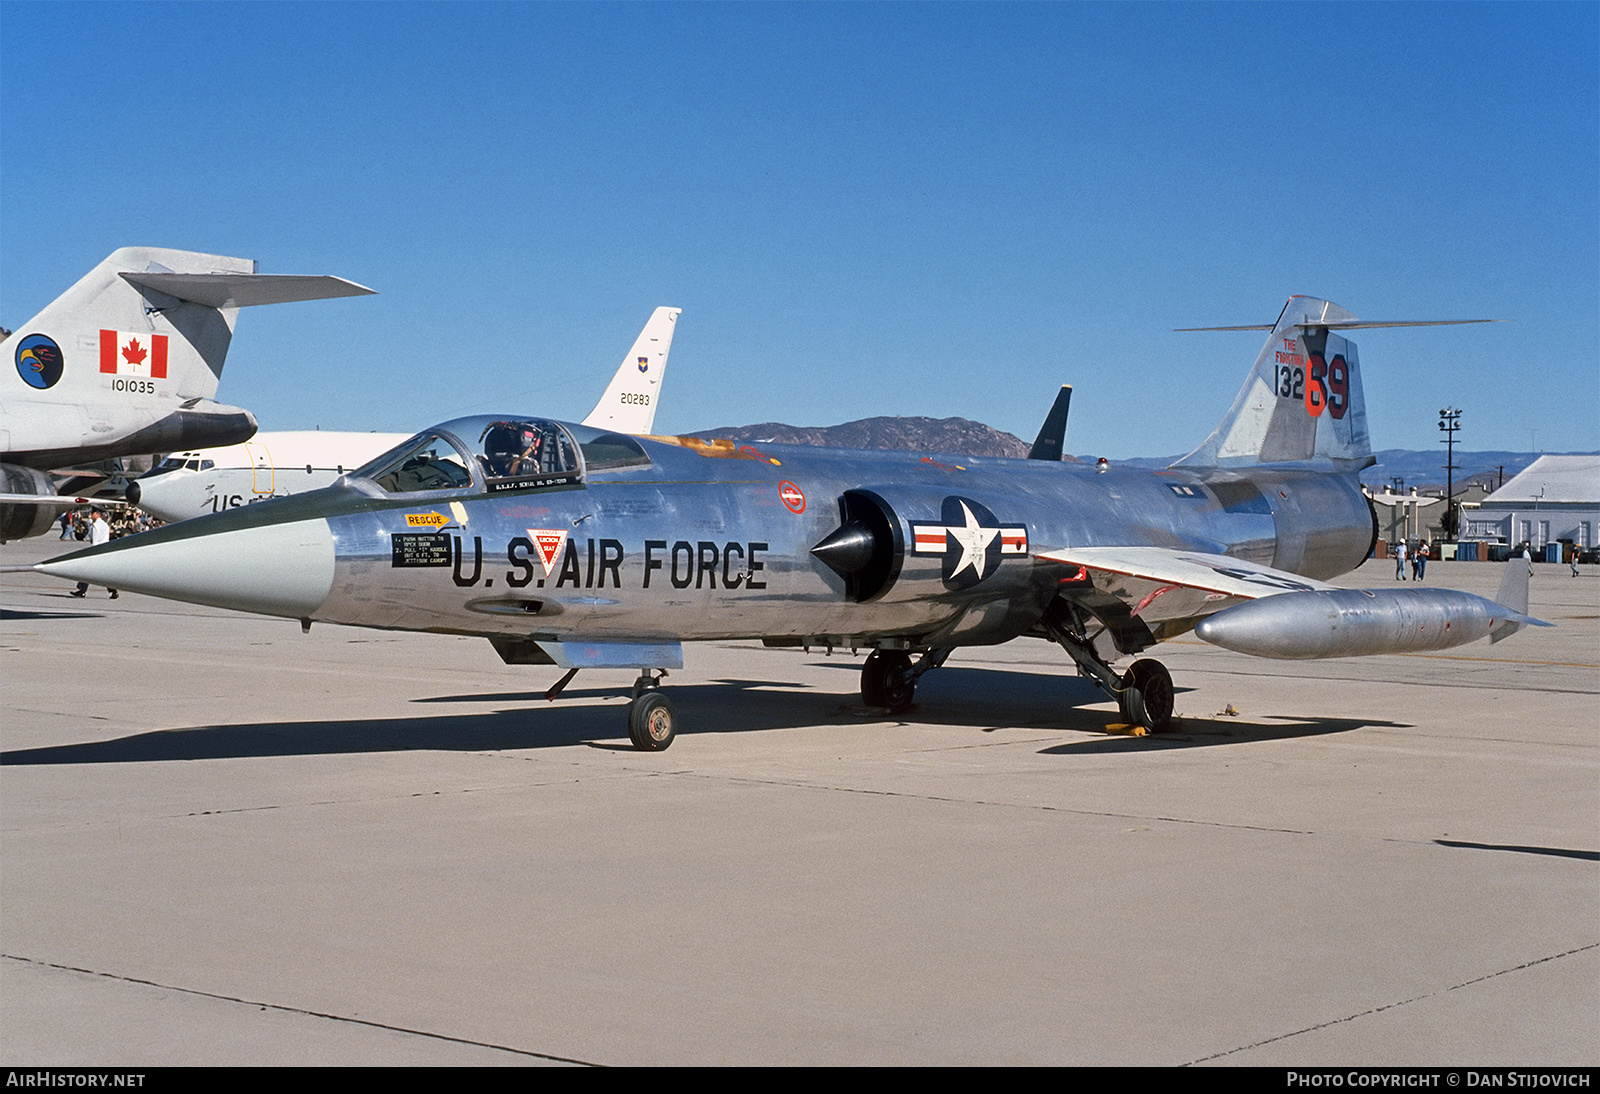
(511, 448)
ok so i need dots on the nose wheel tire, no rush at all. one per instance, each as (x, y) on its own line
(1146, 698)
(652, 722)
(887, 680)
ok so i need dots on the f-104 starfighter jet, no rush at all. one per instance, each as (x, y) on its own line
(577, 547)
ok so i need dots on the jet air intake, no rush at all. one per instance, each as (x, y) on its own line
(19, 520)
(867, 548)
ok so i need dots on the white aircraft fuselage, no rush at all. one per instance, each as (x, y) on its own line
(269, 465)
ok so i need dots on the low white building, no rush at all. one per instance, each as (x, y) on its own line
(1556, 499)
(1403, 516)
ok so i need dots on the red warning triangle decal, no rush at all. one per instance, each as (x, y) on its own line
(548, 544)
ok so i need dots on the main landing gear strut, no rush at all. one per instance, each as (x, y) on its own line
(1144, 693)
(889, 679)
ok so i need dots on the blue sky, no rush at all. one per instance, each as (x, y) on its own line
(863, 209)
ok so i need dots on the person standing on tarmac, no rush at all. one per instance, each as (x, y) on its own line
(99, 532)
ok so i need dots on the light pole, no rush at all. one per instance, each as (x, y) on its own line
(1450, 425)
(1534, 531)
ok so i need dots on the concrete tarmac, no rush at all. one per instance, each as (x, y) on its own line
(225, 842)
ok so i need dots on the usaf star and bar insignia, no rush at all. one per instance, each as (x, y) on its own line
(971, 539)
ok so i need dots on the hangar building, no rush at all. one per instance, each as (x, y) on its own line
(1557, 499)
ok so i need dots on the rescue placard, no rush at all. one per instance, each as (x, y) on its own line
(420, 549)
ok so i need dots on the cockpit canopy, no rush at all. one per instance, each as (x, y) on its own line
(494, 454)
(519, 449)
(180, 461)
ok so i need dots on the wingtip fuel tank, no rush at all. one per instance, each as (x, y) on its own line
(1356, 623)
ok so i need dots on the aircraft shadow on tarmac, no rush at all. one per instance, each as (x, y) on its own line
(951, 698)
(1040, 700)
(1212, 731)
(7, 614)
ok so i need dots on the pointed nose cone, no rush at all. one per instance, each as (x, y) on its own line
(271, 569)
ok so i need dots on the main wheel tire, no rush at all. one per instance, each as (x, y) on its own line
(652, 722)
(1125, 696)
(886, 680)
(1147, 696)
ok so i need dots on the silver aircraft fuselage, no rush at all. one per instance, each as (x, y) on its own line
(574, 546)
(707, 541)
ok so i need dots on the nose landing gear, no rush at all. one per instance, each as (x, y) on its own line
(652, 719)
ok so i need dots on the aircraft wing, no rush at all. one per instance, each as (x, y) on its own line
(1222, 574)
(1292, 617)
(1171, 590)
(240, 290)
(59, 501)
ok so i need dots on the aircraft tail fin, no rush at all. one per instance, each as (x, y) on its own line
(1513, 592)
(629, 404)
(1053, 434)
(151, 321)
(1302, 402)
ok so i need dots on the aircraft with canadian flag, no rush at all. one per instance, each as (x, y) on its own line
(126, 363)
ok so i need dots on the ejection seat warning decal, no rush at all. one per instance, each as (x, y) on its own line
(420, 549)
(548, 541)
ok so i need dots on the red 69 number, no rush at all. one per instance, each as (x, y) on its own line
(1329, 386)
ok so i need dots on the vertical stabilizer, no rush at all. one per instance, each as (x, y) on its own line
(629, 404)
(1302, 401)
(1513, 594)
(1052, 436)
(127, 361)
(107, 326)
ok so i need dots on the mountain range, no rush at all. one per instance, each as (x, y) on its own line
(964, 437)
